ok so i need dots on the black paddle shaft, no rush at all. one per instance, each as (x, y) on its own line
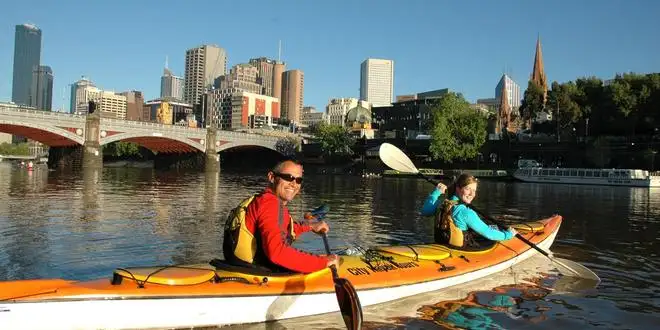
(335, 275)
(501, 225)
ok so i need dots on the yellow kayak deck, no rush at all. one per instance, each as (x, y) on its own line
(379, 267)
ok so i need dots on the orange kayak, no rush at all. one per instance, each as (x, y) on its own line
(217, 294)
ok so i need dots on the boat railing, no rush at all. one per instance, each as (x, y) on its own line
(588, 172)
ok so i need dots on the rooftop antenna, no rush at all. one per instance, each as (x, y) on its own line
(166, 60)
(279, 51)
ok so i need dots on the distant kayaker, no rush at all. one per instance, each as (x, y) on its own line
(259, 232)
(455, 223)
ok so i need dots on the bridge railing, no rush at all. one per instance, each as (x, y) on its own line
(146, 124)
(40, 113)
(252, 134)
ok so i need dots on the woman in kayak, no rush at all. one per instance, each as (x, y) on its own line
(455, 223)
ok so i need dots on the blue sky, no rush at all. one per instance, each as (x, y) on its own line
(461, 45)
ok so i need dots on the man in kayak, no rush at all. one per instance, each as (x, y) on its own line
(260, 231)
(455, 223)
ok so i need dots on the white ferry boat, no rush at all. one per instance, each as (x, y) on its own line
(590, 176)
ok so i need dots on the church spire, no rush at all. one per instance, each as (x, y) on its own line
(538, 73)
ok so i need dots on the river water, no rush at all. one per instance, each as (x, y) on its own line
(83, 226)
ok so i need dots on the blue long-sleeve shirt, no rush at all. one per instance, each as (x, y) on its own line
(465, 218)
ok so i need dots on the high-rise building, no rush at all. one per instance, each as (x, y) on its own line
(78, 104)
(278, 73)
(512, 92)
(204, 64)
(293, 82)
(110, 104)
(134, 105)
(242, 77)
(27, 56)
(377, 81)
(171, 85)
(538, 72)
(270, 75)
(42, 88)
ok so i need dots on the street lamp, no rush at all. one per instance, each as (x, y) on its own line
(653, 152)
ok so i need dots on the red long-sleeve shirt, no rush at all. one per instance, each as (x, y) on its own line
(262, 218)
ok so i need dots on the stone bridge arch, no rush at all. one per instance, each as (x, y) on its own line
(156, 142)
(51, 138)
(233, 144)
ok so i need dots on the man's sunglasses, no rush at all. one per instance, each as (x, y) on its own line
(288, 177)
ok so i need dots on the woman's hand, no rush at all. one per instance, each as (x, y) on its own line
(513, 231)
(441, 186)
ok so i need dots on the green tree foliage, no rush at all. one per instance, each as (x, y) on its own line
(288, 146)
(629, 104)
(122, 149)
(20, 149)
(532, 102)
(458, 131)
(562, 102)
(335, 140)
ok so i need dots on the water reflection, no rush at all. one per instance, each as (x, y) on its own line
(82, 226)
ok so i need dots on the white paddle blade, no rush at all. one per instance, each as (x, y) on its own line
(572, 268)
(394, 158)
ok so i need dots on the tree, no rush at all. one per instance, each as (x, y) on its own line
(335, 140)
(532, 103)
(288, 146)
(458, 131)
(122, 149)
(20, 149)
(562, 102)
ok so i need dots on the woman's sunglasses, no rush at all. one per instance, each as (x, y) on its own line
(288, 177)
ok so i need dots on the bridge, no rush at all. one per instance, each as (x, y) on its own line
(86, 134)
(20, 157)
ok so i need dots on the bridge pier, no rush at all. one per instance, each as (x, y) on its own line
(65, 157)
(92, 152)
(212, 160)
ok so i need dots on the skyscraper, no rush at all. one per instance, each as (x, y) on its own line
(377, 81)
(171, 85)
(512, 92)
(41, 92)
(78, 103)
(270, 74)
(27, 56)
(203, 65)
(293, 82)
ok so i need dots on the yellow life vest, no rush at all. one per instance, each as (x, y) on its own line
(446, 231)
(239, 242)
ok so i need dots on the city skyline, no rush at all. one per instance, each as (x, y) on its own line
(467, 60)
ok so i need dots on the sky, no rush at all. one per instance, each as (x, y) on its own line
(462, 45)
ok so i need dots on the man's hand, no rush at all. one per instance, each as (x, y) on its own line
(333, 260)
(319, 227)
(317, 214)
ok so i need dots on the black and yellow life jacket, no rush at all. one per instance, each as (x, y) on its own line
(445, 230)
(239, 244)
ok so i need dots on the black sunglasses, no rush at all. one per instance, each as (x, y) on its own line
(288, 177)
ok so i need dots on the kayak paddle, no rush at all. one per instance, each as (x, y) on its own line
(349, 302)
(394, 158)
